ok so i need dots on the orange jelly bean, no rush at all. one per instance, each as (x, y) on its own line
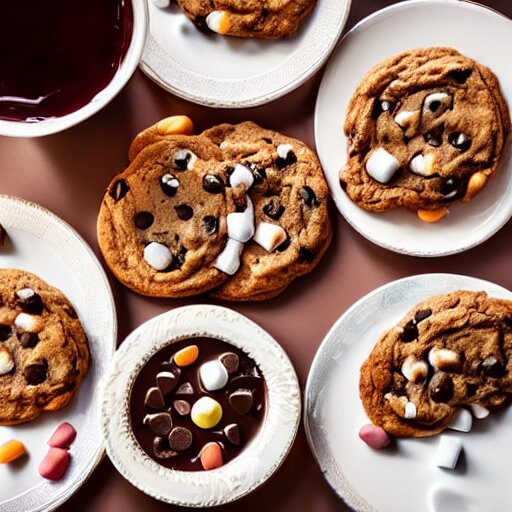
(11, 450)
(175, 125)
(186, 356)
(211, 456)
(432, 215)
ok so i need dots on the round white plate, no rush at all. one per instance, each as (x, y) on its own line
(475, 31)
(231, 72)
(256, 463)
(40, 242)
(404, 478)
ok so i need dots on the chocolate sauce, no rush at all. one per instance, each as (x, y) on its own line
(248, 376)
(56, 55)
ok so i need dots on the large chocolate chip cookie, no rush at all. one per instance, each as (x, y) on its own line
(43, 348)
(449, 351)
(426, 128)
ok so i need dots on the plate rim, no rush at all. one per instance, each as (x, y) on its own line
(72, 487)
(425, 253)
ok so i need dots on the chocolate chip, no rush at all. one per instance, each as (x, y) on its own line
(182, 162)
(35, 373)
(471, 389)
(259, 173)
(169, 184)
(492, 367)
(267, 140)
(185, 389)
(242, 401)
(290, 159)
(434, 137)
(160, 423)
(421, 315)
(29, 339)
(5, 332)
(244, 382)
(434, 105)
(184, 212)
(182, 407)
(380, 106)
(459, 141)
(440, 387)
(232, 433)
(213, 184)
(274, 209)
(450, 188)
(508, 321)
(211, 224)
(410, 332)
(282, 247)
(167, 381)
(154, 399)
(230, 361)
(460, 75)
(30, 301)
(160, 450)
(306, 255)
(229, 170)
(180, 439)
(308, 196)
(119, 189)
(143, 220)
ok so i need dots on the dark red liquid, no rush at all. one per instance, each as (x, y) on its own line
(56, 55)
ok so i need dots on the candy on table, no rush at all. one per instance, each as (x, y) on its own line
(63, 436)
(230, 360)
(479, 411)
(54, 464)
(448, 452)
(433, 215)
(462, 421)
(11, 451)
(186, 356)
(375, 437)
(242, 401)
(167, 381)
(211, 456)
(206, 412)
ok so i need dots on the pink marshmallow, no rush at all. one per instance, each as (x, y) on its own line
(63, 436)
(375, 437)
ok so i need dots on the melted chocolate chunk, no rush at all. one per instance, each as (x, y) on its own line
(154, 399)
(5, 332)
(421, 315)
(30, 301)
(308, 196)
(213, 184)
(460, 75)
(273, 209)
(182, 163)
(434, 137)
(184, 211)
(211, 224)
(119, 190)
(459, 141)
(161, 449)
(440, 387)
(410, 332)
(160, 423)
(143, 220)
(492, 367)
(167, 381)
(29, 339)
(450, 188)
(180, 439)
(306, 255)
(290, 159)
(169, 184)
(282, 247)
(242, 401)
(36, 373)
(232, 433)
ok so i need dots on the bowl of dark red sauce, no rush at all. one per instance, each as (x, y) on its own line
(62, 61)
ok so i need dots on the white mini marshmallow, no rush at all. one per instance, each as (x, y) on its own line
(6, 362)
(269, 236)
(241, 224)
(410, 410)
(404, 118)
(382, 165)
(162, 4)
(441, 97)
(170, 180)
(479, 411)
(241, 176)
(213, 375)
(157, 256)
(181, 154)
(414, 370)
(443, 358)
(27, 323)
(283, 150)
(25, 293)
(417, 165)
(462, 421)
(448, 451)
(214, 21)
(228, 260)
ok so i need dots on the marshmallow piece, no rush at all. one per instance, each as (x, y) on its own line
(417, 165)
(162, 4)
(448, 451)
(443, 100)
(382, 165)
(28, 323)
(218, 21)
(157, 256)
(241, 176)
(206, 412)
(228, 260)
(479, 411)
(6, 361)
(213, 375)
(283, 150)
(414, 370)
(269, 236)
(375, 437)
(462, 421)
(410, 410)
(241, 224)
(444, 359)
(403, 119)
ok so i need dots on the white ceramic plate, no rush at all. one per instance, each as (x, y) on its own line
(40, 242)
(475, 31)
(404, 478)
(232, 72)
(256, 463)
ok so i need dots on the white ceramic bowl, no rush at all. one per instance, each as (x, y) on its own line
(124, 73)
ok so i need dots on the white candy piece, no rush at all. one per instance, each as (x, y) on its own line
(241, 224)
(157, 256)
(403, 118)
(241, 176)
(27, 323)
(25, 293)
(414, 370)
(170, 180)
(443, 358)
(410, 410)
(441, 97)
(417, 165)
(217, 21)
(448, 451)
(228, 260)
(182, 154)
(462, 421)
(283, 150)
(269, 236)
(6, 362)
(479, 411)
(213, 375)
(382, 165)
(162, 4)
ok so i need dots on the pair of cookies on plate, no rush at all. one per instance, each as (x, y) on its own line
(238, 209)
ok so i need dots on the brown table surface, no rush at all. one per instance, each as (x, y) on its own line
(68, 173)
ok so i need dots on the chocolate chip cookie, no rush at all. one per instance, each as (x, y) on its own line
(235, 203)
(449, 351)
(44, 353)
(426, 128)
(270, 19)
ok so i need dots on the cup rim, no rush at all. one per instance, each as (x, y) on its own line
(102, 98)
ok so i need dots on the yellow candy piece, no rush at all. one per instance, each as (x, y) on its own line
(432, 215)
(11, 450)
(175, 125)
(475, 184)
(206, 412)
(186, 356)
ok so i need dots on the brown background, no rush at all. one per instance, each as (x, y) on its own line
(68, 172)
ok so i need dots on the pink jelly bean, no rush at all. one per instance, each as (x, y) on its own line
(63, 436)
(54, 464)
(375, 437)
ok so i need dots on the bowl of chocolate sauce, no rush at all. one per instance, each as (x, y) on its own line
(62, 61)
(201, 406)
